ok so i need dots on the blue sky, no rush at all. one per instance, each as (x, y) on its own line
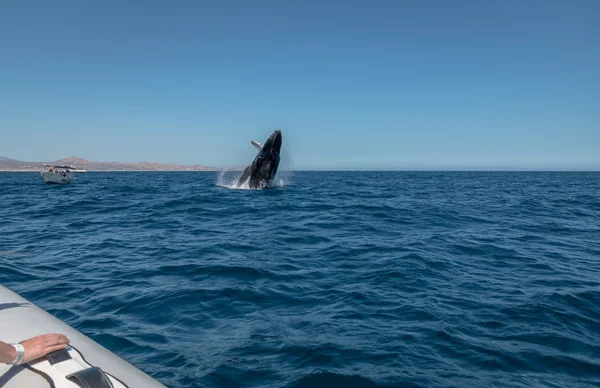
(352, 84)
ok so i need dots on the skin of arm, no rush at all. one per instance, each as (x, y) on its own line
(7, 353)
(35, 347)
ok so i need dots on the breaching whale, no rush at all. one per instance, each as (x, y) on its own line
(264, 167)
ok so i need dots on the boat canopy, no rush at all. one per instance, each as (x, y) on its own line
(57, 166)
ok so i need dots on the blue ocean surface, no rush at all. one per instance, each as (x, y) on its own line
(331, 279)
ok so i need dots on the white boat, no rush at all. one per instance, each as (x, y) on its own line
(84, 363)
(52, 174)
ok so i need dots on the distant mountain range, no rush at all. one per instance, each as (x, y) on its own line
(7, 164)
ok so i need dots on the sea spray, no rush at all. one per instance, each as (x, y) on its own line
(228, 179)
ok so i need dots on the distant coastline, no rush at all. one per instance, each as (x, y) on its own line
(207, 170)
(12, 165)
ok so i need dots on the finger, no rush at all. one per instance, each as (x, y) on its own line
(54, 348)
(45, 339)
(56, 336)
(56, 341)
(62, 338)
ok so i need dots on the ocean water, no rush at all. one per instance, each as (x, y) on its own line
(349, 279)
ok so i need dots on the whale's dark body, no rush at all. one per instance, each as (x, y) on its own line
(261, 172)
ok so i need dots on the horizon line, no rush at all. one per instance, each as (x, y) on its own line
(333, 170)
(438, 168)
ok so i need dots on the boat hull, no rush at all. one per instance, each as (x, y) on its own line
(20, 319)
(54, 178)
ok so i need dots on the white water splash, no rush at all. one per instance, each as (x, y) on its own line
(228, 179)
(283, 178)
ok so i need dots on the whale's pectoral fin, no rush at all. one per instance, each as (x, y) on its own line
(256, 144)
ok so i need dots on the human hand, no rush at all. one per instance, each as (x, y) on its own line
(41, 345)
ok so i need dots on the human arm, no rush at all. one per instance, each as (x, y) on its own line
(7, 353)
(35, 347)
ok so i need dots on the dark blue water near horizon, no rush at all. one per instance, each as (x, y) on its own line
(349, 279)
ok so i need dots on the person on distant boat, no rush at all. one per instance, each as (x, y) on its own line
(31, 348)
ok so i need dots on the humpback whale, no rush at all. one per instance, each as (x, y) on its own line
(264, 167)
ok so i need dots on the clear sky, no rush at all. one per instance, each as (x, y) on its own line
(352, 84)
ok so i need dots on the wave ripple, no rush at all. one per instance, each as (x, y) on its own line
(336, 279)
